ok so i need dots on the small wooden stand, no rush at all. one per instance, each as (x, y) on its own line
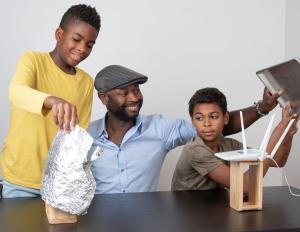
(254, 189)
(56, 216)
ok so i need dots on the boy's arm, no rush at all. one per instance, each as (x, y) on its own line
(250, 114)
(221, 174)
(282, 153)
(22, 89)
(22, 94)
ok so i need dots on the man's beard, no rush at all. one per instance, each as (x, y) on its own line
(121, 113)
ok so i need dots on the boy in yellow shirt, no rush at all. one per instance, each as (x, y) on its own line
(48, 92)
(198, 168)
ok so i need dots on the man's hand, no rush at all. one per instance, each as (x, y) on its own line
(64, 113)
(269, 101)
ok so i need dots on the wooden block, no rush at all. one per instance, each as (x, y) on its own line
(255, 185)
(254, 189)
(56, 216)
(236, 185)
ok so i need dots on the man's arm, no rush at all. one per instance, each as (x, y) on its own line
(251, 114)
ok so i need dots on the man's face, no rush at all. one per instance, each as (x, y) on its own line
(209, 121)
(124, 103)
(75, 42)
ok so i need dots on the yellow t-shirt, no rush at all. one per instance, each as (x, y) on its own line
(32, 128)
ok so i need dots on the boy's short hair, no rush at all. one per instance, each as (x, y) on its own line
(208, 95)
(83, 13)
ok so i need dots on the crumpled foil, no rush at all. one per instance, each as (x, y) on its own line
(68, 183)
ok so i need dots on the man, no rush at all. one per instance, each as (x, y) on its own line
(134, 146)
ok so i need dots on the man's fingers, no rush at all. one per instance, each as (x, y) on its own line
(276, 95)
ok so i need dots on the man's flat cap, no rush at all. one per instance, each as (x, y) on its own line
(116, 76)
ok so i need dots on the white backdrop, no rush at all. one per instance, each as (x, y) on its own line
(180, 45)
(293, 50)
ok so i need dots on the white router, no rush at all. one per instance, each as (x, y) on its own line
(254, 154)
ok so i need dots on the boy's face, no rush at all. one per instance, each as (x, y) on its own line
(75, 43)
(124, 103)
(209, 121)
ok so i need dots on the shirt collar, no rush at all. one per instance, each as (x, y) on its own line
(198, 140)
(102, 128)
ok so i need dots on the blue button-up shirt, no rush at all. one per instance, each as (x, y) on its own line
(135, 165)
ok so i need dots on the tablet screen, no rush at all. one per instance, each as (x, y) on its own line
(285, 77)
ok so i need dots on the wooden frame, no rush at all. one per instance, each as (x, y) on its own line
(237, 170)
(56, 216)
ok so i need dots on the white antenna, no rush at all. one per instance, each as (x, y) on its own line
(281, 138)
(243, 133)
(265, 140)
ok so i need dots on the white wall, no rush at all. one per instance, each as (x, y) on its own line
(180, 45)
(293, 50)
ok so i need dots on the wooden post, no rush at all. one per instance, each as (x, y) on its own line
(254, 189)
(56, 216)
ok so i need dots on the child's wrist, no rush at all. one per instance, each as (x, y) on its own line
(282, 124)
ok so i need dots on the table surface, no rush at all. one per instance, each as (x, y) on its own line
(160, 211)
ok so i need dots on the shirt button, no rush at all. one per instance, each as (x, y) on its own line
(124, 191)
(122, 170)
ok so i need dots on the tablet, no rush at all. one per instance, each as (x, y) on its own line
(286, 77)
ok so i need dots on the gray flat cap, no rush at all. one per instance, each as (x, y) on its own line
(116, 76)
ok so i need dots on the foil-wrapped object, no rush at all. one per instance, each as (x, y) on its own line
(68, 183)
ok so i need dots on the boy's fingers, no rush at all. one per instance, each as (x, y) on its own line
(74, 119)
(60, 116)
(77, 119)
(286, 110)
(54, 113)
(64, 114)
(67, 117)
(296, 120)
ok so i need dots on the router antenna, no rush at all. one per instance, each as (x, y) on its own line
(265, 140)
(243, 133)
(281, 138)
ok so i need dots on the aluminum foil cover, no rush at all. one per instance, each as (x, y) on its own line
(68, 183)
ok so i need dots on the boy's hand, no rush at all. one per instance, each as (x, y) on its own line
(64, 113)
(269, 101)
(287, 117)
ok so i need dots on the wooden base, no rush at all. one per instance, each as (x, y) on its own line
(254, 189)
(56, 216)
